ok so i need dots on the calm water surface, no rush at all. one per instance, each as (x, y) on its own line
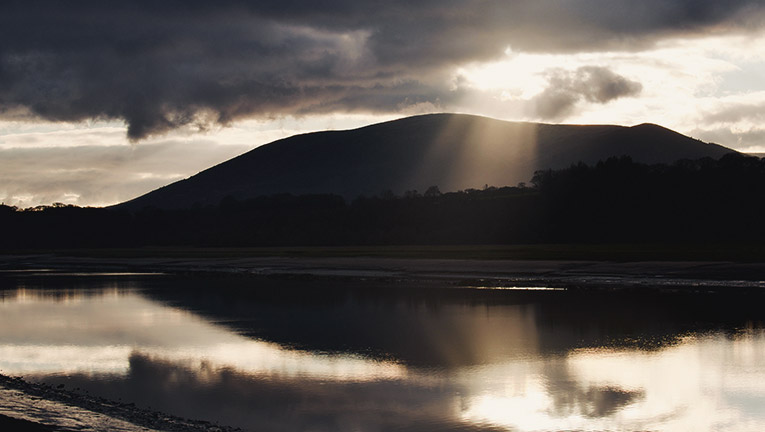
(292, 355)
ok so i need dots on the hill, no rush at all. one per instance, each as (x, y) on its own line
(451, 151)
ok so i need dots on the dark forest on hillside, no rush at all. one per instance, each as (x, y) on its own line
(616, 200)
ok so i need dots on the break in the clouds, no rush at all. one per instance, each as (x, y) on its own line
(159, 66)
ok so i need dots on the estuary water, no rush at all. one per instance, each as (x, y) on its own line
(300, 354)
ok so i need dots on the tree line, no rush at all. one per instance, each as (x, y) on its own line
(616, 200)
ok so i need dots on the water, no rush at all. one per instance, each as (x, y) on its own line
(291, 355)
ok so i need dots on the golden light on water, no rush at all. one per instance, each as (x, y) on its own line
(698, 384)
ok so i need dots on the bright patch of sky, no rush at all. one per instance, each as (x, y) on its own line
(687, 85)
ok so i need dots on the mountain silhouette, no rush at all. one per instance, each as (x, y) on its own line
(451, 151)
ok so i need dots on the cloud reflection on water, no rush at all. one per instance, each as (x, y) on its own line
(98, 333)
(496, 370)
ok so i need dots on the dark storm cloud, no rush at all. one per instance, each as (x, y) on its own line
(161, 65)
(591, 83)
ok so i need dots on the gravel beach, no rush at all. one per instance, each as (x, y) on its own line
(35, 407)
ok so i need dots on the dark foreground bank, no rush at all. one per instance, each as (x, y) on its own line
(16, 425)
(34, 407)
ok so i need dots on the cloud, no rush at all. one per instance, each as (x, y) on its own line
(736, 122)
(159, 66)
(749, 141)
(738, 112)
(590, 83)
(555, 103)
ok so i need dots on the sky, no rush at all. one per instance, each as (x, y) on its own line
(101, 102)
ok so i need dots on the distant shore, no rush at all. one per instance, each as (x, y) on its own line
(467, 266)
(615, 252)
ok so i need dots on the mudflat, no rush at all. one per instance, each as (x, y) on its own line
(447, 271)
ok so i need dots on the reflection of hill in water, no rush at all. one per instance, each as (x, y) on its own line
(269, 403)
(464, 360)
(450, 327)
